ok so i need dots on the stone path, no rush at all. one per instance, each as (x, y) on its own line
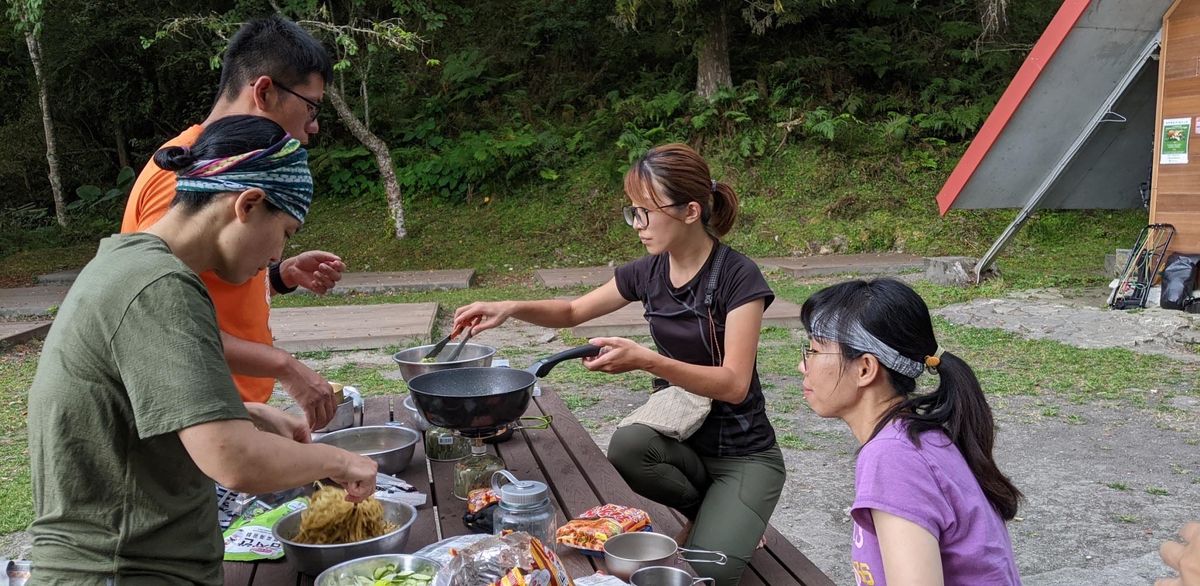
(1082, 322)
(352, 327)
(402, 281)
(628, 321)
(31, 301)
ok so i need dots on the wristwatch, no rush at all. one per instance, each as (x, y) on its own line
(277, 280)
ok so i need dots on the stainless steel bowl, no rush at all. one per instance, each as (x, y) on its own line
(366, 567)
(389, 446)
(314, 559)
(419, 420)
(411, 366)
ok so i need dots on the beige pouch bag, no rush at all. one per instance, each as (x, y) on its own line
(672, 412)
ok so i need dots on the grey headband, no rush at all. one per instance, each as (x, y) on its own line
(827, 326)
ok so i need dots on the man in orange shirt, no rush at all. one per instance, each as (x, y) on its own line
(274, 69)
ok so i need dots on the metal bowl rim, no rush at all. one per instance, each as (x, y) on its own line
(407, 524)
(427, 347)
(339, 566)
(416, 437)
(646, 536)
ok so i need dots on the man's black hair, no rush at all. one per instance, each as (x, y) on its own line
(275, 47)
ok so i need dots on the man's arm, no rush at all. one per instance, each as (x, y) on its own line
(310, 391)
(244, 459)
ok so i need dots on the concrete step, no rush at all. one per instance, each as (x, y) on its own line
(628, 321)
(388, 282)
(849, 264)
(353, 327)
(15, 332)
(31, 301)
(59, 278)
(583, 276)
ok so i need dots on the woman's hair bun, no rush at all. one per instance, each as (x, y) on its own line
(174, 158)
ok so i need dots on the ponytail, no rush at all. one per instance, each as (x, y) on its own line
(724, 210)
(959, 408)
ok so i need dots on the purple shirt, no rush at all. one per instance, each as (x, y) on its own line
(932, 487)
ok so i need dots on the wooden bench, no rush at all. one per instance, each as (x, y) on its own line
(580, 477)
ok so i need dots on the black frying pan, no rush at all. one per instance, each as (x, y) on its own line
(479, 400)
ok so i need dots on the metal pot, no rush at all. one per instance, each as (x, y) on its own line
(411, 366)
(390, 446)
(314, 559)
(349, 410)
(479, 401)
(665, 576)
(627, 553)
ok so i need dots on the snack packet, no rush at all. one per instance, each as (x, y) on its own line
(251, 540)
(595, 526)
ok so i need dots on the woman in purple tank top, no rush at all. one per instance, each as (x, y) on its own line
(930, 504)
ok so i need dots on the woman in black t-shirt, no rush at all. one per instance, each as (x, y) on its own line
(704, 303)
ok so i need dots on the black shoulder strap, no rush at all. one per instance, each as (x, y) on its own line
(713, 275)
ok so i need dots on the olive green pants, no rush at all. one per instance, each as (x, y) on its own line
(729, 500)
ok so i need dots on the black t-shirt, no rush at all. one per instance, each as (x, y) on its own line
(680, 328)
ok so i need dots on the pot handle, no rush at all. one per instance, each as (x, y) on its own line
(539, 422)
(703, 581)
(718, 557)
(542, 367)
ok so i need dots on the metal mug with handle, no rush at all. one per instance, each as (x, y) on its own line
(627, 553)
(666, 576)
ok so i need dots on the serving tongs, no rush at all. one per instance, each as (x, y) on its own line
(441, 345)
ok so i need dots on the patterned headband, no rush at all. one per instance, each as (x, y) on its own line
(280, 170)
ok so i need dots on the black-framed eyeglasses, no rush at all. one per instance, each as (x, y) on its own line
(808, 351)
(314, 108)
(639, 216)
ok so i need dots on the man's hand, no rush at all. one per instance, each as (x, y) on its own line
(315, 270)
(358, 477)
(1183, 557)
(272, 420)
(311, 392)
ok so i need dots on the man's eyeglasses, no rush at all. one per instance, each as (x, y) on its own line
(314, 108)
(638, 216)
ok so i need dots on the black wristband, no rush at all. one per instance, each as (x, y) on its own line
(277, 280)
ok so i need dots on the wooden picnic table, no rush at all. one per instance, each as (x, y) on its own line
(580, 477)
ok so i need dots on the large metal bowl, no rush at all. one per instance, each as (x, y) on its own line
(314, 559)
(346, 571)
(389, 446)
(411, 366)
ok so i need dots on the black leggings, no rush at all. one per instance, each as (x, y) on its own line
(729, 500)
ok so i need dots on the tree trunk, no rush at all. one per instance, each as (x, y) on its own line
(35, 55)
(712, 56)
(383, 157)
(122, 147)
